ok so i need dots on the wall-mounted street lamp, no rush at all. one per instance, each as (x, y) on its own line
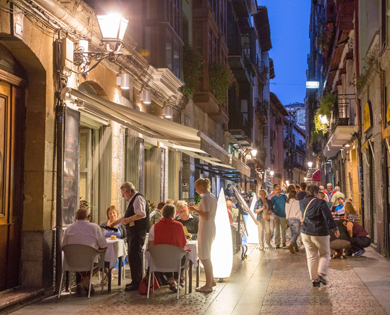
(310, 164)
(253, 153)
(272, 173)
(112, 28)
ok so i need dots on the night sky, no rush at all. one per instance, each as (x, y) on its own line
(289, 21)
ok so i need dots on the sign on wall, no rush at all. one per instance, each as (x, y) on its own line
(71, 166)
(367, 117)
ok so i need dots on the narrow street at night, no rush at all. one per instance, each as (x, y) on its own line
(235, 154)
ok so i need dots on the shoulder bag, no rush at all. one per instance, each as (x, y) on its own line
(304, 214)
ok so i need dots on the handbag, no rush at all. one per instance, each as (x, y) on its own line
(143, 286)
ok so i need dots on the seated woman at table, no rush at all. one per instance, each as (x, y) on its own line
(112, 216)
(169, 232)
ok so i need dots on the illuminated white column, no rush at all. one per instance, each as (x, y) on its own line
(253, 235)
(222, 248)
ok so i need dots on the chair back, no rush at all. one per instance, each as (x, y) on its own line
(79, 257)
(166, 258)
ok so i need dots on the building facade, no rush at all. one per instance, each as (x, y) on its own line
(74, 131)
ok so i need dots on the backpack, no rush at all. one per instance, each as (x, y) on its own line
(143, 286)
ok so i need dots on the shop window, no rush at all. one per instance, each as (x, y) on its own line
(176, 59)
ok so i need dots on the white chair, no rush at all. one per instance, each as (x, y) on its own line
(81, 258)
(166, 258)
(144, 249)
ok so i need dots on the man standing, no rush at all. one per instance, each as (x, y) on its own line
(229, 191)
(326, 198)
(302, 193)
(329, 191)
(337, 194)
(136, 219)
(279, 203)
(83, 232)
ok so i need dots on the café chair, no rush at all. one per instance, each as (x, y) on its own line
(81, 258)
(166, 258)
(144, 249)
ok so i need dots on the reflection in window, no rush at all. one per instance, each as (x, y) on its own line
(176, 59)
(168, 51)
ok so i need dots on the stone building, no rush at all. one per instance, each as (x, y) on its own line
(78, 130)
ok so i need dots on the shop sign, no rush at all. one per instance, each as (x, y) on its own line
(386, 132)
(367, 117)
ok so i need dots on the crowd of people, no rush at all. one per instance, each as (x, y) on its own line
(323, 220)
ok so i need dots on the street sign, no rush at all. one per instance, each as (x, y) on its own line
(312, 84)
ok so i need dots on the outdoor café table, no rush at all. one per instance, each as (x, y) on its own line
(193, 262)
(116, 248)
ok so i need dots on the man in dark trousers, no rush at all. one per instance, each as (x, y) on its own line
(136, 220)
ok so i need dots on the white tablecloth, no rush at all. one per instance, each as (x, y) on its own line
(115, 249)
(192, 255)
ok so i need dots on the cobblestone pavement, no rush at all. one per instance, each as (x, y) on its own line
(267, 282)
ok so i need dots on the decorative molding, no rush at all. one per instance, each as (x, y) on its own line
(166, 81)
(11, 78)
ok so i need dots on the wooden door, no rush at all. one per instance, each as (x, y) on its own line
(11, 182)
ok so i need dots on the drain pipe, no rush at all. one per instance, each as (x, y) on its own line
(60, 139)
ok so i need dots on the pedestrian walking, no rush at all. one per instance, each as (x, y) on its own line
(206, 210)
(279, 203)
(329, 191)
(293, 217)
(302, 193)
(317, 225)
(263, 217)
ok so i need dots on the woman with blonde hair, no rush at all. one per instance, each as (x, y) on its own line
(206, 210)
(112, 216)
(263, 212)
(293, 217)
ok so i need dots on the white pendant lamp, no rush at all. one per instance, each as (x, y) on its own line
(141, 95)
(125, 81)
(147, 97)
(167, 112)
(118, 79)
(222, 248)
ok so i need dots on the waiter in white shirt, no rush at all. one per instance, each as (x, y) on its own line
(136, 220)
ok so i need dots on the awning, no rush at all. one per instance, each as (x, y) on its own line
(316, 177)
(186, 139)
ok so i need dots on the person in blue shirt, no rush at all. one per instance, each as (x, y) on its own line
(279, 203)
(340, 207)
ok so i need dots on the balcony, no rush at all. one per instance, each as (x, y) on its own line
(300, 149)
(342, 124)
(242, 8)
(206, 102)
(240, 128)
(261, 71)
(238, 63)
(220, 117)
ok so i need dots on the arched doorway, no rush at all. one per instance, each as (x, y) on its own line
(12, 113)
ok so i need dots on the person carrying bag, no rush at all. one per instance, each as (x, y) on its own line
(317, 225)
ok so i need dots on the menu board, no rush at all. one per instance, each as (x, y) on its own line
(71, 165)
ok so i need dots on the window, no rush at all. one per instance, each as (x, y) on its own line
(168, 51)
(176, 59)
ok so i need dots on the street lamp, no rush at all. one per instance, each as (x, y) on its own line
(112, 28)
(287, 183)
(272, 173)
(310, 164)
(305, 179)
(253, 153)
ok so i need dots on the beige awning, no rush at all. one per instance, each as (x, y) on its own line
(183, 138)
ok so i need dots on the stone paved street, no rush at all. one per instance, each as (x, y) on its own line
(268, 282)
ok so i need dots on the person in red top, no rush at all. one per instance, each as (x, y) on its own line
(170, 232)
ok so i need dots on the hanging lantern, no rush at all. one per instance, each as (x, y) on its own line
(125, 81)
(147, 99)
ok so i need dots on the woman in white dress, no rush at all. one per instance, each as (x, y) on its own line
(206, 233)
